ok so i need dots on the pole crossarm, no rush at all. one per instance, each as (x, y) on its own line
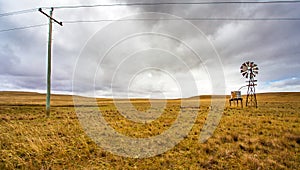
(60, 23)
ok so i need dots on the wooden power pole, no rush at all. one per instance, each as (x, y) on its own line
(49, 58)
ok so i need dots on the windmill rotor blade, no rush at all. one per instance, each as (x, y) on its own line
(244, 74)
(251, 64)
(244, 68)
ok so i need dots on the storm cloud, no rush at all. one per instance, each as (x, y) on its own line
(147, 63)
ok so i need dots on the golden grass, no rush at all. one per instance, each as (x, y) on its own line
(249, 138)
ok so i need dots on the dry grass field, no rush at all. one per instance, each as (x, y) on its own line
(264, 138)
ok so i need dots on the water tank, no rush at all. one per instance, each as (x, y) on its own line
(236, 94)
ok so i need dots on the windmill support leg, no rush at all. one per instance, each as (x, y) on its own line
(247, 99)
(251, 95)
(255, 100)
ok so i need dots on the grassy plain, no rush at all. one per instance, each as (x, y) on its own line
(264, 138)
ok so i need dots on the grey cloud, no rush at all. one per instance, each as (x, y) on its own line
(286, 82)
(9, 60)
(273, 45)
(23, 82)
(160, 47)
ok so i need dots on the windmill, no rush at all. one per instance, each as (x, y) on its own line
(249, 70)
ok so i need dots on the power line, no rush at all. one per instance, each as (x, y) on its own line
(19, 12)
(174, 3)
(22, 28)
(149, 4)
(176, 19)
(156, 19)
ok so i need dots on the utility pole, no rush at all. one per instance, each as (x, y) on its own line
(49, 58)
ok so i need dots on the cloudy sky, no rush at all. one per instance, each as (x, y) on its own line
(165, 57)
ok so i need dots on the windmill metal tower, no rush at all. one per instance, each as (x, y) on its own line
(249, 70)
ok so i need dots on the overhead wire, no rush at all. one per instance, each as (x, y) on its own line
(176, 19)
(174, 3)
(150, 4)
(154, 19)
(22, 28)
(18, 12)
